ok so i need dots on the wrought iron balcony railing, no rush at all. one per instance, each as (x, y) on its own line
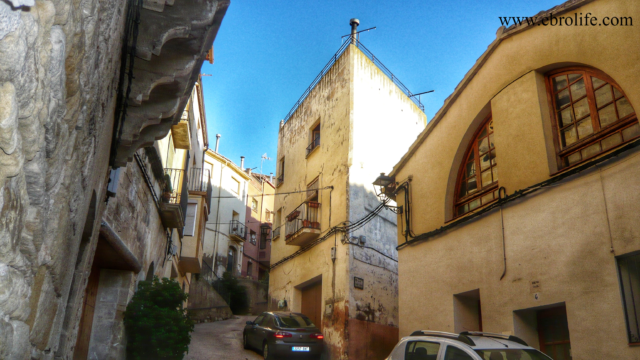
(200, 180)
(280, 180)
(175, 192)
(276, 232)
(237, 228)
(314, 144)
(305, 216)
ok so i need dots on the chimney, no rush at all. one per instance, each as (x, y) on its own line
(354, 29)
(249, 171)
(270, 177)
(242, 162)
(217, 141)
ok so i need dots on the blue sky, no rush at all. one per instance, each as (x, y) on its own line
(268, 52)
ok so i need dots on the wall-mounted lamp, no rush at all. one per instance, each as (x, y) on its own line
(385, 184)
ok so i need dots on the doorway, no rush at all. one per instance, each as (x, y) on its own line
(312, 303)
(81, 351)
(553, 332)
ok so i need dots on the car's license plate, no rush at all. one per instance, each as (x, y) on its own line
(299, 348)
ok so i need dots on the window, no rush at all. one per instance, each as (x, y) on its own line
(249, 268)
(269, 322)
(629, 272)
(454, 353)
(254, 205)
(315, 139)
(280, 179)
(267, 215)
(231, 258)
(263, 238)
(235, 185)
(190, 219)
(258, 320)
(312, 190)
(592, 114)
(421, 350)
(252, 237)
(478, 175)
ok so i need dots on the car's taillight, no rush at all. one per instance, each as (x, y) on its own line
(282, 334)
(317, 336)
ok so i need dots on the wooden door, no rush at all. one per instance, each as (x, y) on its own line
(312, 303)
(553, 333)
(86, 321)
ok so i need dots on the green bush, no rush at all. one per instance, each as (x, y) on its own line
(157, 325)
(230, 289)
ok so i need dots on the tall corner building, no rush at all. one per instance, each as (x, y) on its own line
(333, 251)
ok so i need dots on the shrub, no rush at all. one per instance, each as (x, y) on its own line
(230, 289)
(157, 325)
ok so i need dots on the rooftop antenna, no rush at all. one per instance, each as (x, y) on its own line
(418, 95)
(354, 33)
(264, 157)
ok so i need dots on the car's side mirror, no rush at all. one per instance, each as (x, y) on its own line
(250, 323)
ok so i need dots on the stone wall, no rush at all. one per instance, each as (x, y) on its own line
(58, 79)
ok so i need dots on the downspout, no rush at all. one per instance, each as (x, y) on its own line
(215, 247)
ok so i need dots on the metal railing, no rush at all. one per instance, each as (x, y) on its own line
(175, 188)
(314, 144)
(237, 228)
(200, 180)
(275, 232)
(280, 180)
(307, 215)
(333, 60)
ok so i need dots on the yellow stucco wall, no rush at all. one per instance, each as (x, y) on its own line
(561, 236)
(360, 110)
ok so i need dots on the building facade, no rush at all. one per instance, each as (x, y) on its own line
(76, 106)
(259, 221)
(326, 261)
(225, 231)
(547, 250)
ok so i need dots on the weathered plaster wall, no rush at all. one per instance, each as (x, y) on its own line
(561, 236)
(251, 252)
(58, 79)
(225, 200)
(385, 122)
(329, 102)
(355, 104)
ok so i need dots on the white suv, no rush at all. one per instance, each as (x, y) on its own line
(468, 345)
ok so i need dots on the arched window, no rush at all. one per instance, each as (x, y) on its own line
(478, 175)
(591, 114)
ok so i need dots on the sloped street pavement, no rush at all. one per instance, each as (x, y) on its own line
(220, 340)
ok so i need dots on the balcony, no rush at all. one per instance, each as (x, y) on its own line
(303, 224)
(181, 135)
(314, 145)
(276, 233)
(237, 230)
(191, 254)
(263, 258)
(175, 196)
(200, 184)
(280, 180)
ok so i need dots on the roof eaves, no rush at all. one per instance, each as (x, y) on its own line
(501, 34)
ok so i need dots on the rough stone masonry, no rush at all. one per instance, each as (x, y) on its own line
(59, 64)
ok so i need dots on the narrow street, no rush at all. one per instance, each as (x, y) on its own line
(220, 340)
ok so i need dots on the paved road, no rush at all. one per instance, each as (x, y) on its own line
(220, 340)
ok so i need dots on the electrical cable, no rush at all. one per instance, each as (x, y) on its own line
(352, 227)
(275, 194)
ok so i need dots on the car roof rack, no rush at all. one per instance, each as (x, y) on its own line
(460, 337)
(494, 335)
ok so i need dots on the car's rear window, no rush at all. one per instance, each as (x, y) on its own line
(512, 354)
(294, 321)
